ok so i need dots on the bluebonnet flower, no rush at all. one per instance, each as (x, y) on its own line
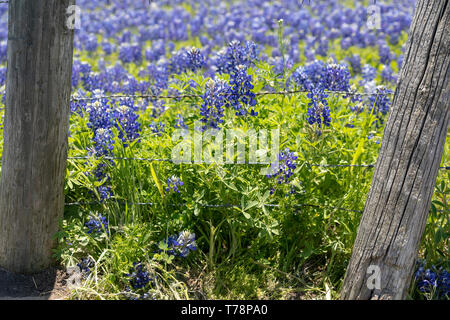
(157, 50)
(85, 266)
(103, 142)
(130, 86)
(90, 44)
(235, 54)
(370, 86)
(157, 128)
(3, 50)
(125, 36)
(197, 23)
(318, 112)
(98, 224)
(130, 53)
(380, 100)
(100, 170)
(186, 243)
(159, 76)
(214, 100)
(291, 191)
(179, 122)
(311, 76)
(172, 243)
(76, 76)
(179, 62)
(138, 276)
(385, 54)
(355, 63)
(108, 47)
(428, 281)
(181, 245)
(444, 283)
(159, 107)
(349, 125)
(91, 81)
(300, 77)
(193, 84)
(2, 76)
(368, 73)
(104, 192)
(100, 122)
(177, 29)
(283, 168)
(127, 124)
(78, 106)
(215, 23)
(85, 68)
(173, 183)
(336, 77)
(387, 75)
(241, 94)
(281, 65)
(100, 115)
(316, 78)
(195, 59)
(322, 47)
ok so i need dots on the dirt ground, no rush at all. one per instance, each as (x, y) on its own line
(50, 284)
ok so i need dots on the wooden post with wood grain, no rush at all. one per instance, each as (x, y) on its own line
(38, 86)
(400, 195)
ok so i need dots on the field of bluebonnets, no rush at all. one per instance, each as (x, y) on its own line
(140, 226)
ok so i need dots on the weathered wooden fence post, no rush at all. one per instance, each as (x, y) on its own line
(399, 199)
(38, 85)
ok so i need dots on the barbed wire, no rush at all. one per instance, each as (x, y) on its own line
(218, 206)
(372, 165)
(215, 205)
(195, 96)
(242, 163)
(185, 96)
(212, 206)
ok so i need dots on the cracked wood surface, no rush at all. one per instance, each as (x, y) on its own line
(399, 199)
(38, 84)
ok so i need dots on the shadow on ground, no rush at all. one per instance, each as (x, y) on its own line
(46, 285)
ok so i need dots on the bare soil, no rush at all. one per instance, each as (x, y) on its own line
(50, 284)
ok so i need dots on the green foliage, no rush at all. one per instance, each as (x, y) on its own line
(303, 241)
(262, 245)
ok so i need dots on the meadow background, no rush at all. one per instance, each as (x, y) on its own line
(141, 227)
